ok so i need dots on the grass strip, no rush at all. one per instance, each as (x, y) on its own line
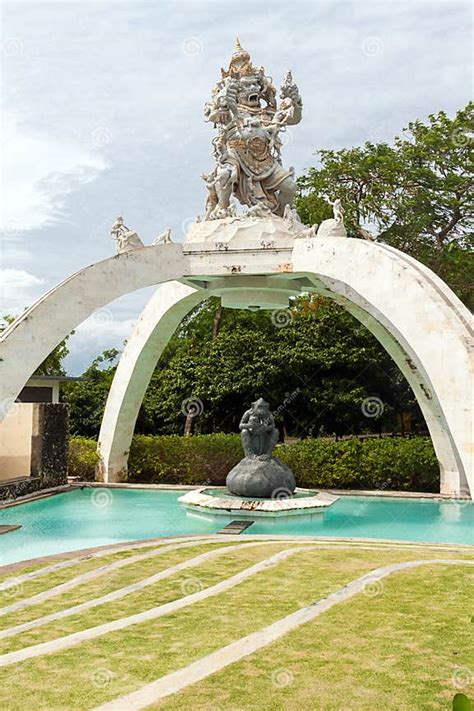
(407, 645)
(107, 582)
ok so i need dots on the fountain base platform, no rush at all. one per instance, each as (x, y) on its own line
(209, 503)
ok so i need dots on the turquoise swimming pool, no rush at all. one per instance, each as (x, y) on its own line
(96, 516)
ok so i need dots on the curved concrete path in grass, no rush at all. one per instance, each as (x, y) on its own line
(92, 575)
(161, 548)
(81, 557)
(128, 589)
(234, 652)
(71, 640)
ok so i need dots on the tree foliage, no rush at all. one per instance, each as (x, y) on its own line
(87, 398)
(416, 195)
(315, 370)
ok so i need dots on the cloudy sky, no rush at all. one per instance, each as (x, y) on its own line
(102, 114)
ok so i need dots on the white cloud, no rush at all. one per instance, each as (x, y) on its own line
(125, 82)
(39, 171)
(99, 332)
(18, 288)
(108, 327)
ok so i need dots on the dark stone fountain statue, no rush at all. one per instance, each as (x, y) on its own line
(258, 474)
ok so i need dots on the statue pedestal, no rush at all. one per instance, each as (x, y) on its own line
(332, 228)
(261, 478)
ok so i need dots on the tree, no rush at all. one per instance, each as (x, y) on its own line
(316, 371)
(315, 365)
(416, 195)
(87, 398)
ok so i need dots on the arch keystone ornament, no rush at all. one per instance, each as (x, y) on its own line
(252, 251)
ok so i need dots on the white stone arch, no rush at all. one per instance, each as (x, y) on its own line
(158, 321)
(416, 317)
(31, 337)
(411, 311)
(422, 325)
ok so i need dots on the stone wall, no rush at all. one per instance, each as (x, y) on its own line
(49, 450)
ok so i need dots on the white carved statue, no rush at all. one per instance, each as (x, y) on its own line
(259, 210)
(292, 218)
(307, 231)
(247, 148)
(163, 238)
(334, 227)
(125, 238)
(338, 211)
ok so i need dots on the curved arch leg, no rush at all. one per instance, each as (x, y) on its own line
(453, 481)
(32, 336)
(158, 321)
(422, 325)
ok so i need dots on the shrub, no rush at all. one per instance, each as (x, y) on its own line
(172, 459)
(386, 463)
(82, 458)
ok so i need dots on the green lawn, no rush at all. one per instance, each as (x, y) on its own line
(93, 588)
(407, 647)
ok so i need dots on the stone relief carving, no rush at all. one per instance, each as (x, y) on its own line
(307, 232)
(259, 210)
(292, 218)
(247, 148)
(126, 239)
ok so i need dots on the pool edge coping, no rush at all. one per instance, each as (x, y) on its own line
(53, 491)
(339, 492)
(72, 486)
(36, 496)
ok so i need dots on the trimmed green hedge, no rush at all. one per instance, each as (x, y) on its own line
(172, 459)
(82, 458)
(385, 463)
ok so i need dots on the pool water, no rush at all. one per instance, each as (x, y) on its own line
(99, 516)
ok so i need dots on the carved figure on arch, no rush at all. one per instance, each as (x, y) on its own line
(307, 232)
(338, 211)
(126, 239)
(334, 227)
(292, 218)
(247, 149)
(163, 238)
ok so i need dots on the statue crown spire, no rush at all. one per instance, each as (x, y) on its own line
(240, 64)
(239, 51)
